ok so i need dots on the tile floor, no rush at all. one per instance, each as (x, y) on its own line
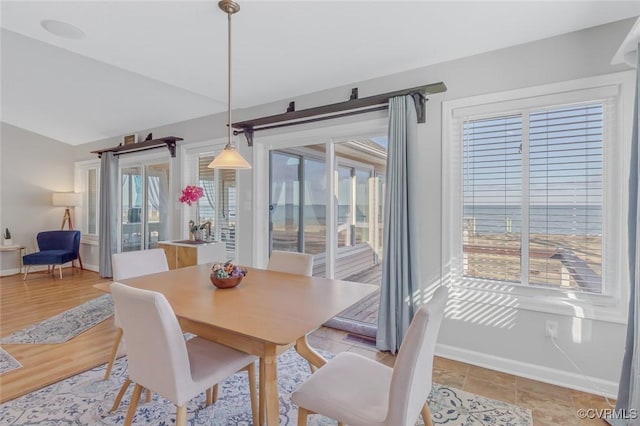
(551, 405)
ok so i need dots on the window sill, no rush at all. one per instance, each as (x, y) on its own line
(89, 240)
(554, 301)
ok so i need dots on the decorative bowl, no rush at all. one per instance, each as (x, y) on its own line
(225, 282)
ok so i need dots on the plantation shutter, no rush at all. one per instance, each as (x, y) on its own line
(565, 192)
(219, 202)
(227, 208)
(206, 180)
(492, 198)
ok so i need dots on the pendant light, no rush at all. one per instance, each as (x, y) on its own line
(229, 158)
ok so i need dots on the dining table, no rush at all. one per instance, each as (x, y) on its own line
(266, 314)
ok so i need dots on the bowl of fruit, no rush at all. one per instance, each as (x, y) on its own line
(226, 275)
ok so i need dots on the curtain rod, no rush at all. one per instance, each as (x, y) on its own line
(341, 109)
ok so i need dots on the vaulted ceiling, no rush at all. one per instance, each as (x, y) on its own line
(143, 64)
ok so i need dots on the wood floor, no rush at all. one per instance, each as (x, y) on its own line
(42, 296)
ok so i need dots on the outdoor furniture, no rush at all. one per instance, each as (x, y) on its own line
(56, 248)
(358, 391)
(132, 264)
(161, 360)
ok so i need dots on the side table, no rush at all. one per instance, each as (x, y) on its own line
(18, 249)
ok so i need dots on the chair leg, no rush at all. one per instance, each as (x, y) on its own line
(135, 397)
(181, 415)
(114, 352)
(121, 392)
(302, 416)
(148, 395)
(60, 269)
(313, 368)
(212, 394)
(426, 415)
(251, 371)
(26, 272)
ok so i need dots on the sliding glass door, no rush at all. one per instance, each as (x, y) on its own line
(144, 206)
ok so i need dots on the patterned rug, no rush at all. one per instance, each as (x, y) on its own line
(65, 326)
(7, 362)
(86, 399)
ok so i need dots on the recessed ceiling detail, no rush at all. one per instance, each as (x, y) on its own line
(62, 29)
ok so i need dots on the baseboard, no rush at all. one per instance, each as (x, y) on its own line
(530, 371)
(93, 268)
(7, 272)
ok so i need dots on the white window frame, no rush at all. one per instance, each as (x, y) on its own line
(609, 306)
(81, 173)
(189, 153)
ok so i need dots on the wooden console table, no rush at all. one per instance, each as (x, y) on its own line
(188, 253)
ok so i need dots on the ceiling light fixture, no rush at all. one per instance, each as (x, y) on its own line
(229, 158)
(62, 29)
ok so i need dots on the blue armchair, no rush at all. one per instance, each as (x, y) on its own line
(56, 248)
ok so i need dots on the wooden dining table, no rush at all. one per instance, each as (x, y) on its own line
(266, 314)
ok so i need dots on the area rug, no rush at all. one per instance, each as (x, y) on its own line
(65, 326)
(7, 362)
(86, 399)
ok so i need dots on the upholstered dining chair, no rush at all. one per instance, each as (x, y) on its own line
(291, 262)
(361, 392)
(55, 248)
(160, 359)
(131, 264)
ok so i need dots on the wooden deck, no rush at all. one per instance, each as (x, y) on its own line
(361, 318)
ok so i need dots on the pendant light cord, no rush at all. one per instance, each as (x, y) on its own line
(229, 79)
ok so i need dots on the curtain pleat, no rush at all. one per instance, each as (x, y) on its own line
(108, 242)
(629, 388)
(400, 265)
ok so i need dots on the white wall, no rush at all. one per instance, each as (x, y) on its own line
(32, 167)
(520, 347)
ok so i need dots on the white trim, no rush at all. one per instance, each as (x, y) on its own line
(189, 154)
(610, 306)
(554, 376)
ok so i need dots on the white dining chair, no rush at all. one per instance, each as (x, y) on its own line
(160, 359)
(359, 391)
(131, 264)
(291, 262)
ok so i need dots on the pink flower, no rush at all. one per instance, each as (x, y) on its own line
(191, 194)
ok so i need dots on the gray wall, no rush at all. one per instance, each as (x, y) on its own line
(522, 348)
(32, 167)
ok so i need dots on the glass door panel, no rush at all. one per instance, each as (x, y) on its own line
(285, 202)
(157, 204)
(344, 195)
(362, 206)
(131, 213)
(315, 206)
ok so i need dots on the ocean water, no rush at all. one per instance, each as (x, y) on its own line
(550, 219)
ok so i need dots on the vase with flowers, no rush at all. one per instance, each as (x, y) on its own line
(191, 194)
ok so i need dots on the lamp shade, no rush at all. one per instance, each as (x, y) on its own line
(66, 199)
(229, 158)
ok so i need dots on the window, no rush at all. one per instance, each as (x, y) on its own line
(563, 240)
(87, 182)
(92, 201)
(218, 205)
(532, 202)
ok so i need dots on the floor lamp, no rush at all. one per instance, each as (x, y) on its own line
(68, 200)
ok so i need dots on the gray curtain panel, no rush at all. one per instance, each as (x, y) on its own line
(400, 264)
(108, 212)
(629, 388)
